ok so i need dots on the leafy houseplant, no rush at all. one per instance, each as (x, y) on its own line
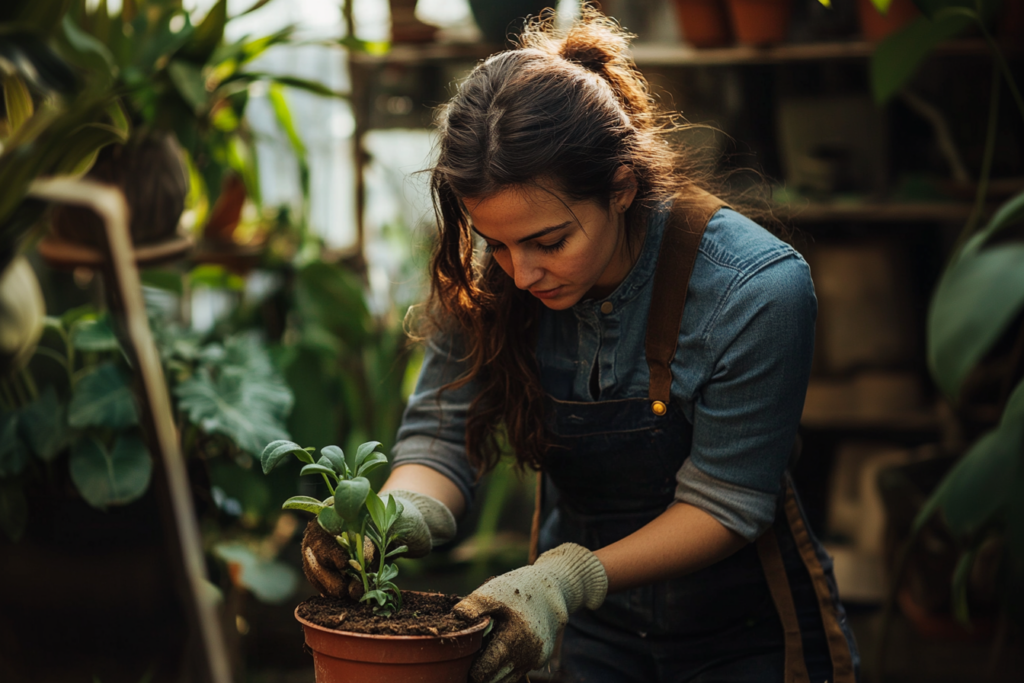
(975, 332)
(352, 514)
(368, 527)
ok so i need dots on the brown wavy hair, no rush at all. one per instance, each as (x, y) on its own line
(568, 108)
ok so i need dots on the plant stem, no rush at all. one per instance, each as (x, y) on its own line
(362, 561)
(1003, 67)
(986, 166)
(30, 383)
(10, 402)
(53, 355)
(327, 480)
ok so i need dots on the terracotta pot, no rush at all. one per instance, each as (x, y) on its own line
(704, 23)
(760, 22)
(876, 26)
(341, 656)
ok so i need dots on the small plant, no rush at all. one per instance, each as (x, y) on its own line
(352, 514)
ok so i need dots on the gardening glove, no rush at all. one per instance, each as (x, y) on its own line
(530, 607)
(425, 522)
(325, 563)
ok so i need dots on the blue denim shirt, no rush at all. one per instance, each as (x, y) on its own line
(740, 372)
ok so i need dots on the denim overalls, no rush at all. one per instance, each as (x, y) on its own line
(614, 467)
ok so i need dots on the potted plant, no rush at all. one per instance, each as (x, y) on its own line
(704, 23)
(383, 633)
(760, 22)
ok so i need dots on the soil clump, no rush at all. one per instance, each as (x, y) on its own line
(422, 614)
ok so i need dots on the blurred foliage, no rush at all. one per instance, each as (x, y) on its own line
(977, 304)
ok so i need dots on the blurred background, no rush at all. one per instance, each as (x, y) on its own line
(269, 151)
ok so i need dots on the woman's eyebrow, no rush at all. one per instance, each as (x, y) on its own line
(539, 233)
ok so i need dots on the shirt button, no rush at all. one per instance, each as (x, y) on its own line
(607, 307)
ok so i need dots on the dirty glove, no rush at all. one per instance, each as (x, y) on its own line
(425, 522)
(531, 606)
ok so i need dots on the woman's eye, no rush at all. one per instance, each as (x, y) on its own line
(491, 248)
(550, 248)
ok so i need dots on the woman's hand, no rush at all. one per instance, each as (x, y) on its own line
(531, 606)
(425, 523)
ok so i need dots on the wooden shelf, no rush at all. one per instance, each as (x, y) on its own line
(879, 212)
(675, 54)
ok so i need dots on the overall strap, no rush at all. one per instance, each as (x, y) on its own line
(678, 253)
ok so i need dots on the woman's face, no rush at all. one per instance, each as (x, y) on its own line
(558, 250)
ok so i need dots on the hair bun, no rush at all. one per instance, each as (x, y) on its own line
(588, 55)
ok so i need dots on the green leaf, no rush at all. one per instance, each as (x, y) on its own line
(85, 144)
(103, 398)
(319, 469)
(389, 572)
(363, 452)
(276, 451)
(331, 521)
(299, 83)
(977, 298)
(189, 81)
(898, 56)
(43, 425)
(88, 52)
(13, 510)
(1009, 214)
(396, 551)
(208, 33)
(18, 101)
(95, 335)
(305, 503)
(13, 451)
(238, 393)
(334, 457)
(349, 497)
(114, 477)
(375, 461)
(979, 487)
(271, 581)
(378, 512)
(961, 575)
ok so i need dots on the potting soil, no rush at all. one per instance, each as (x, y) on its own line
(422, 614)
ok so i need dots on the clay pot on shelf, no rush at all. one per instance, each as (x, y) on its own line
(760, 22)
(875, 26)
(342, 656)
(704, 23)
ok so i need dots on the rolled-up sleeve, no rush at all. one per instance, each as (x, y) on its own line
(759, 348)
(433, 430)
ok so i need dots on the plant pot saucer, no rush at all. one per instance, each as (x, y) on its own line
(60, 253)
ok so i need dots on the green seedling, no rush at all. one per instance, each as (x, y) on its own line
(352, 513)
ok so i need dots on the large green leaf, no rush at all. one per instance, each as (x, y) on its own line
(208, 34)
(349, 497)
(13, 451)
(333, 298)
(17, 100)
(981, 484)
(277, 451)
(977, 298)
(897, 57)
(94, 335)
(304, 503)
(334, 457)
(103, 398)
(270, 580)
(113, 477)
(238, 393)
(1009, 214)
(188, 80)
(43, 425)
(331, 521)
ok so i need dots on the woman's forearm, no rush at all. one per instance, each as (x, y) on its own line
(681, 540)
(430, 482)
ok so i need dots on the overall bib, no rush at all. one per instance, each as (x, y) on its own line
(767, 613)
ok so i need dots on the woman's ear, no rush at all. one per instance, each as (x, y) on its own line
(623, 199)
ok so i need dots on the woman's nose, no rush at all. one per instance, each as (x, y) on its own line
(525, 271)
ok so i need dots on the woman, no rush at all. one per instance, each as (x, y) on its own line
(643, 345)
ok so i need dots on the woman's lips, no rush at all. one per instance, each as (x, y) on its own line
(546, 293)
